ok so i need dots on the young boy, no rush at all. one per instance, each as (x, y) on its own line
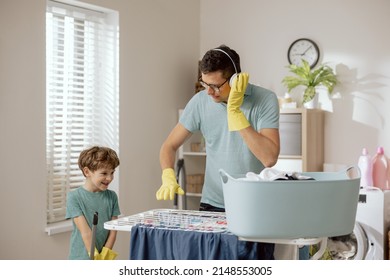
(98, 166)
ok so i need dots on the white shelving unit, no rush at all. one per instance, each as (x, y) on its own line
(302, 142)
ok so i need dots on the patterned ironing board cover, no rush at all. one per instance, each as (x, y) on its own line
(172, 219)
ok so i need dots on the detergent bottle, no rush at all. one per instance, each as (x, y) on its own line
(365, 166)
(379, 169)
(388, 173)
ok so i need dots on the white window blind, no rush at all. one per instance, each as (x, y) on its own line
(82, 93)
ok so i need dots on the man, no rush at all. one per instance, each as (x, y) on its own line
(239, 121)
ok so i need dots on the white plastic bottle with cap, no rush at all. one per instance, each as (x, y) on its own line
(365, 166)
(379, 169)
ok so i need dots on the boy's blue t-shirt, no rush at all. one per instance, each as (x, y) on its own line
(86, 203)
(226, 149)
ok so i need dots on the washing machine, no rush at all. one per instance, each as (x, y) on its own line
(369, 240)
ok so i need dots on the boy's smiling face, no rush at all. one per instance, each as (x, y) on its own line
(98, 180)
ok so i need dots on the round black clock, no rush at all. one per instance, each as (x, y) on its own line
(303, 48)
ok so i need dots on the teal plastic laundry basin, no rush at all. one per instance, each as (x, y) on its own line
(323, 207)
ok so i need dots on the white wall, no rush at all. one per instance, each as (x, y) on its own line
(159, 46)
(353, 38)
(161, 41)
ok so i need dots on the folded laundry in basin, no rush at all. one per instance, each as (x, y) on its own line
(272, 174)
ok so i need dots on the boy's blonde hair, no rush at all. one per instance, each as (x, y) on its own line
(98, 157)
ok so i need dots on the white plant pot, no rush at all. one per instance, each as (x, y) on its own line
(312, 104)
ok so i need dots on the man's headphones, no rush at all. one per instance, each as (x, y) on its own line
(235, 68)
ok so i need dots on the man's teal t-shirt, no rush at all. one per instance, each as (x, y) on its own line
(226, 149)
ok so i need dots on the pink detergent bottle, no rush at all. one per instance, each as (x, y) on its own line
(379, 169)
(365, 166)
(388, 174)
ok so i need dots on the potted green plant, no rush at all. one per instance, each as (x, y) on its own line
(310, 78)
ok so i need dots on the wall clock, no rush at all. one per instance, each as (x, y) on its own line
(303, 48)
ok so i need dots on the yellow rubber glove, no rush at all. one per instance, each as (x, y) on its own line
(96, 255)
(169, 186)
(108, 254)
(236, 118)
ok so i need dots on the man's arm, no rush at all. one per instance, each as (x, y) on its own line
(175, 139)
(264, 144)
(169, 186)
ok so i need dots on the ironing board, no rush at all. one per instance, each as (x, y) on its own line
(200, 221)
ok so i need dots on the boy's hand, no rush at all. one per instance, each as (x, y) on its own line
(96, 255)
(108, 254)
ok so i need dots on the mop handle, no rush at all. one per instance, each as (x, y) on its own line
(93, 240)
(179, 167)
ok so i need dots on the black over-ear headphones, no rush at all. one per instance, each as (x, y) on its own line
(235, 68)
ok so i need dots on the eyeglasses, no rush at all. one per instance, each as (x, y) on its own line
(215, 88)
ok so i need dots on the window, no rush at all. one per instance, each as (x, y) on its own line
(82, 93)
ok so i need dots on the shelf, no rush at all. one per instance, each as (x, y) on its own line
(289, 157)
(297, 110)
(194, 153)
(291, 110)
(194, 194)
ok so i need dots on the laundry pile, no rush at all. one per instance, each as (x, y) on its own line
(272, 174)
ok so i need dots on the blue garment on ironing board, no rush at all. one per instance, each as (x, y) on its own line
(162, 244)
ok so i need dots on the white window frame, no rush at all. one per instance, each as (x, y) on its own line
(82, 96)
